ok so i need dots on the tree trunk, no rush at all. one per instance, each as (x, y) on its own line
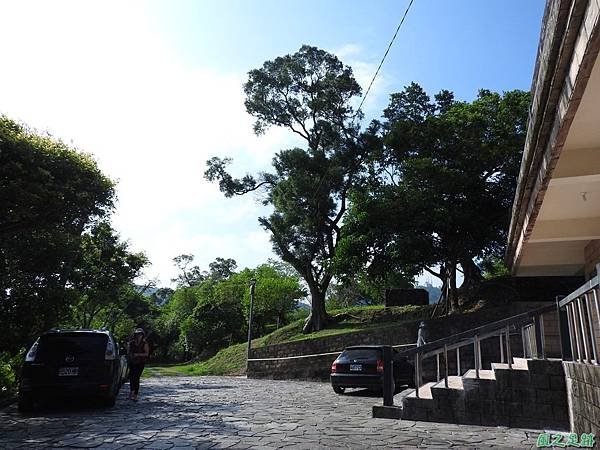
(472, 279)
(318, 318)
(453, 293)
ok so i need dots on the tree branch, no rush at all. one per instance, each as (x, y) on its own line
(254, 188)
(432, 272)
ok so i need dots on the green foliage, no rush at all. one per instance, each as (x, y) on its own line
(215, 323)
(309, 93)
(494, 268)
(188, 275)
(362, 290)
(440, 184)
(10, 366)
(173, 346)
(50, 194)
(232, 360)
(103, 273)
(199, 320)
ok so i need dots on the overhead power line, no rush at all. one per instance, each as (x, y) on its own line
(384, 56)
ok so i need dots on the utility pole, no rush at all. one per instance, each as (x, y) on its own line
(252, 286)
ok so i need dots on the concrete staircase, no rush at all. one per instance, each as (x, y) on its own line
(531, 394)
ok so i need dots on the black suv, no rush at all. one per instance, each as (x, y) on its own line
(71, 363)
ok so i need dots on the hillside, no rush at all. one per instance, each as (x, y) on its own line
(232, 360)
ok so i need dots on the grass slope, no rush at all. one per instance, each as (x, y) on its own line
(232, 360)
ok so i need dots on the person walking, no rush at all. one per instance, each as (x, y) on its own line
(422, 334)
(138, 352)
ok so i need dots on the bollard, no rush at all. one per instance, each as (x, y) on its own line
(388, 376)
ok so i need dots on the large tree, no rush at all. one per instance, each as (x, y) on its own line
(309, 93)
(49, 193)
(103, 273)
(440, 187)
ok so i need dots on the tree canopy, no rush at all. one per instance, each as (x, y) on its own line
(50, 194)
(309, 93)
(440, 185)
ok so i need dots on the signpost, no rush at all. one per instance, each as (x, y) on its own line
(252, 286)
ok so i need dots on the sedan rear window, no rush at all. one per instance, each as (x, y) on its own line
(83, 346)
(362, 353)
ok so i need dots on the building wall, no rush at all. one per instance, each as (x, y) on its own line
(592, 257)
(583, 394)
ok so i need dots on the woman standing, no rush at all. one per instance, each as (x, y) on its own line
(138, 355)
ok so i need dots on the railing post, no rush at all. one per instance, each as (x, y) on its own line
(581, 323)
(539, 337)
(572, 333)
(595, 296)
(508, 352)
(446, 364)
(501, 348)
(588, 313)
(524, 341)
(437, 360)
(458, 361)
(388, 376)
(476, 355)
(562, 329)
(417, 375)
(575, 337)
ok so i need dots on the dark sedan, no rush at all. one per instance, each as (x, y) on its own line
(362, 367)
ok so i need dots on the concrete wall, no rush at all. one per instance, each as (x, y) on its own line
(583, 392)
(296, 368)
(592, 257)
(280, 361)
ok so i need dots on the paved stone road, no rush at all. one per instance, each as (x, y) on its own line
(232, 412)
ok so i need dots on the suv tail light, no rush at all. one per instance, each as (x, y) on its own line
(110, 350)
(32, 351)
(379, 366)
(334, 367)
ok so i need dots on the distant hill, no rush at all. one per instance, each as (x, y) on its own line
(160, 296)
(434, 292)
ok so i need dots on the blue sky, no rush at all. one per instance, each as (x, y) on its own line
(460, 45)
(153, 89)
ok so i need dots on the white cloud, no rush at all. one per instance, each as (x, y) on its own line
(364, 69)
(100, 76)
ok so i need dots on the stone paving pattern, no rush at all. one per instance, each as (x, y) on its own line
(235, 412)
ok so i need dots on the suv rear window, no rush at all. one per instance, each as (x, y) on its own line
(362, 353)
(83, 346)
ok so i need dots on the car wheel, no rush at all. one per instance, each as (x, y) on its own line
(25, 403)
(109, 401)
(338, 390)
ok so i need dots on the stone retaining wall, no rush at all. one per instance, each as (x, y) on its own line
(583, 387)
(274, 361)
(401, 333)
(305, 368)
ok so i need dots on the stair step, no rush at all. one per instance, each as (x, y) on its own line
(521, 363)
(483, 374)
(518, 364)
(424, 391)
(454, 382)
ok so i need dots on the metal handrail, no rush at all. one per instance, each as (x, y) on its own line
(486, 330)
(578, 340)
(501, 328)
(576, 332)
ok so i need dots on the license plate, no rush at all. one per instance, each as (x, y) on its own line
(356, 367)
(68, 371)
